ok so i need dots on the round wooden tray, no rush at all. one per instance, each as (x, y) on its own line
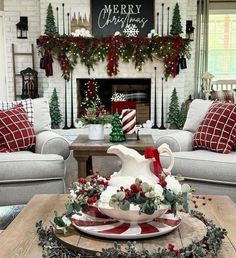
(190, 229)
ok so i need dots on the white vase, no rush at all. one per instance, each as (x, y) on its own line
(96, 131)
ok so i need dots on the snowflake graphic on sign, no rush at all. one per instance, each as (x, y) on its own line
(131, 30)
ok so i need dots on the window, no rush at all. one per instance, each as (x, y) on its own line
(222, 44)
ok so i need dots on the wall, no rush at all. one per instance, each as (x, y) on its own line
(3, 80)
(13, 10)
(36, 11)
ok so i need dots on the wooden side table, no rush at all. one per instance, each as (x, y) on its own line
(84, 149)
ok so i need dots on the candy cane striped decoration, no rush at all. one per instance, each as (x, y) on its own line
(128, 120)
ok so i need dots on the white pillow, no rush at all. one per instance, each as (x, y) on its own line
(42, 119)
(197, 111)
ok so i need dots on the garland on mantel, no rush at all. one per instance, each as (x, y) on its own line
(211, 243)
(137, 50)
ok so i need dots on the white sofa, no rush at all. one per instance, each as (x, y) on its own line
(25, 173)
(208, 172)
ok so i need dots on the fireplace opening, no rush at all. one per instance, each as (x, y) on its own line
(136, 90)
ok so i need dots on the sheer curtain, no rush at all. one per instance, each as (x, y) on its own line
(201, 54)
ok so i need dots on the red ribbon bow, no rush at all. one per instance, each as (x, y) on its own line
(152, 152)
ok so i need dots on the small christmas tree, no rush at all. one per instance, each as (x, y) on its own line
(173, 114)
(116, 134)
(91, 98)
(50, 27)
(176, 27)
(55, 112)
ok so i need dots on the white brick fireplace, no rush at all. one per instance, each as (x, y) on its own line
(36, 12)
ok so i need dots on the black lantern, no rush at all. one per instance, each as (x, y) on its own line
(29, 83)
(22, 27)
(189, 30)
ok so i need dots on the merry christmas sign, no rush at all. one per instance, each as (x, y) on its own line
(134, 17)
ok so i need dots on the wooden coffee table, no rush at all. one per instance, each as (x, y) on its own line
(20, 238)
(84, 149)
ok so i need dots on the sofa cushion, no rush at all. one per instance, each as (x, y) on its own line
(203, 165)
(27, 103)
(16, 132)
(197, 110)
(217, 131)
(26, 166)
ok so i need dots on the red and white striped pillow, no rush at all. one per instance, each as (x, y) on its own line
(16, 131)
(217, 131)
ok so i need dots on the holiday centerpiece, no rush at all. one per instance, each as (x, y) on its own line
(133, 195)
(93, 112)
(95, 117)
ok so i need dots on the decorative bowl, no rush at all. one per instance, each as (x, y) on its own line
(132, 216)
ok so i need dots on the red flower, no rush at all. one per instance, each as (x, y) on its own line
(171, 247)
(135, 188)
(92, 200)
(82, 181)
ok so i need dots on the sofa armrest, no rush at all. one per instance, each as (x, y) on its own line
(48, 142)
(180, 141)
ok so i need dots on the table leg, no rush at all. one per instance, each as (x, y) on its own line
(82, 160)
(82, 168)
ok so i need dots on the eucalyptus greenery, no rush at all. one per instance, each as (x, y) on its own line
(210, 244)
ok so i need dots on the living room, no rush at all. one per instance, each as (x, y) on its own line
(166, 67)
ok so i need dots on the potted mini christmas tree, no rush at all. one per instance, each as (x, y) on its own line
(116, 134)
(173, 114)
(55, 112)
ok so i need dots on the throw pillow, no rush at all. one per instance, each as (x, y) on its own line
(42, 119)
(16, 131)
(197, 110)
(217, 131)
(27, 103)
(223, 95)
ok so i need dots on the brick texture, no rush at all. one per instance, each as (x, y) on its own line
(36, 11)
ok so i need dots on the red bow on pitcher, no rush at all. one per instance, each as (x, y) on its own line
(152, 152)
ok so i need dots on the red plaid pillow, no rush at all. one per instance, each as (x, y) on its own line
(16, 132)
(217, 131)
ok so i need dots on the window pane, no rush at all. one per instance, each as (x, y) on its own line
(222, 46)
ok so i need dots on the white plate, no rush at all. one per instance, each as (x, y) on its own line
(95, 223)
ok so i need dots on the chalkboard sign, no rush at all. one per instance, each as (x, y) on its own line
(110, 16)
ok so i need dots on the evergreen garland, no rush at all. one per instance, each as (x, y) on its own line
(70, 50)
(55, 112)
(176, 27)
(117, 134)
(174, 113)
(50, 27)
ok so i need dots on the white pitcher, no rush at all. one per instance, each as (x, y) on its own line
(135, 165)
